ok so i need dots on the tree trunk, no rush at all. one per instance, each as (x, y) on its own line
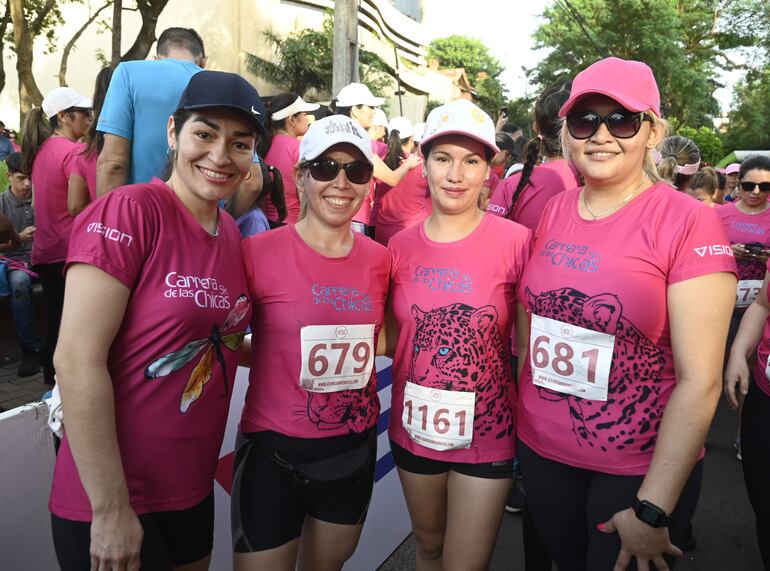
(117, 31)
(150, 10)
(29, 93)
(68, 48)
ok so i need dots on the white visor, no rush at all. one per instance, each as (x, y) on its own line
(299, 106)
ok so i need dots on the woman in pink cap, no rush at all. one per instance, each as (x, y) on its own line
(611, 432)
(754, 335)
(453, 302)
(731, 173)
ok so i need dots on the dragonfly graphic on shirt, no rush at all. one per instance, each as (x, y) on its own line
(210, 347)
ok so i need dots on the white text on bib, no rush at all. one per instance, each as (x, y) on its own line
(336, 357)
(570, 359)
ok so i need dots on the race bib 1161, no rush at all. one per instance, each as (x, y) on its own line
(438, 419)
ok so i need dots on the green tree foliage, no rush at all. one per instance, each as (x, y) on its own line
(709, 143)
(677, 39)
(482, 68)
(749, 121)
(302, 62)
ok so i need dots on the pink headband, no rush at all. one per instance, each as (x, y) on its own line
(686, 170)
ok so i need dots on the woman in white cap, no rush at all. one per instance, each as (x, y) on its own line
(155, 311)
(357, 102)
(304, 464)
(618, 384)
(51, 142)
(379, 129)
(453, 303)
(287, 121)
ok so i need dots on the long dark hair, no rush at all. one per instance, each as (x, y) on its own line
(95, 139)
(546, 143)
(37, 129)
(278, 102)
(395, 150)
(272, 185)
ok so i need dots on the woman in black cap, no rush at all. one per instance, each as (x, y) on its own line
(154, 314)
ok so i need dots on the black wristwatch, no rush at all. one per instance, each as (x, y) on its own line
(650, 514)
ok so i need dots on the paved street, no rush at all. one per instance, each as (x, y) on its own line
(15, 391)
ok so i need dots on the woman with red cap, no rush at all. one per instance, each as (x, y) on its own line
(610, 431)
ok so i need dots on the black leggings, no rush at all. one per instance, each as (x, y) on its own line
(567, 503)
(52, 279)
(755, 448)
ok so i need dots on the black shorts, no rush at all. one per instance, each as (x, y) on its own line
(429, 467)
(270, 501)
(170, 538)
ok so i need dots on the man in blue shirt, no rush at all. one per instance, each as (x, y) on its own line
(141, 97)
(6, 147)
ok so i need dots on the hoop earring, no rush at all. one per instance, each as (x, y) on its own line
(248, 176)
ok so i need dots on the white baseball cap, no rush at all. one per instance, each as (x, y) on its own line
(333, 130)
(460, 117)
(357, 94)
(419, 131)
(299, 106)
(379, 119)
(62, 98)
(403, 125)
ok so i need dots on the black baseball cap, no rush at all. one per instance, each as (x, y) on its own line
(222, 89)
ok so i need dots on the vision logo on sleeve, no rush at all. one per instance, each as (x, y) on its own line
(112, 234)
(714, 250)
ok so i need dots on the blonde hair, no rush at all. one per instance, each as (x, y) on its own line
(648, 166)
(676, 151)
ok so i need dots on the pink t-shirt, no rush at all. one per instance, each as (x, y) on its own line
(609, 276)
(745, 228)
(763, 352)
(85, 167)
(455, 304)
(547, 180)
(402, 206)
(290, 305)
(53, 222)
(184, 294)
(284, 155)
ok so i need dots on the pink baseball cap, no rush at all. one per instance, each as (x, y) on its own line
(630, 83)
(733, 167)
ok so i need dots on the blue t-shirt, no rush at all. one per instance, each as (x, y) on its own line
(6, 147)
(141, 97)
(253, 222)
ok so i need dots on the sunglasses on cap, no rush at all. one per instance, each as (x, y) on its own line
(622, 124)
(324, 170)
(750, 186)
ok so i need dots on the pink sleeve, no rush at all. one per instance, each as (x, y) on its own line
(68, 164)
(501, 200)
(76, 166)
(522, 252)
(114, 235)
(252, 281)
(700, 247)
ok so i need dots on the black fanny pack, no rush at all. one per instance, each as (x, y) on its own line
(334, 471)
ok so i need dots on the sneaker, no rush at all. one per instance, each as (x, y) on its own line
(516, 500)
(30, 364)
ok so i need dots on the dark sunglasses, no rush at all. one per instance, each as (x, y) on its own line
(622, 124)
(324, 170)
(750, 186)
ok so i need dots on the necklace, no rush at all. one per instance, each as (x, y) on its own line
(596, 216)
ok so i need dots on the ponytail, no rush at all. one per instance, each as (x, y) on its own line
(531, 153)
(273, 180)
(395, 150)
(36, 129)
(272, 126)
(548, 142)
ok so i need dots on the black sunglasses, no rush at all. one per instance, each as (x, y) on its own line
(324, 170)
(750, 186)
(622, 124)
